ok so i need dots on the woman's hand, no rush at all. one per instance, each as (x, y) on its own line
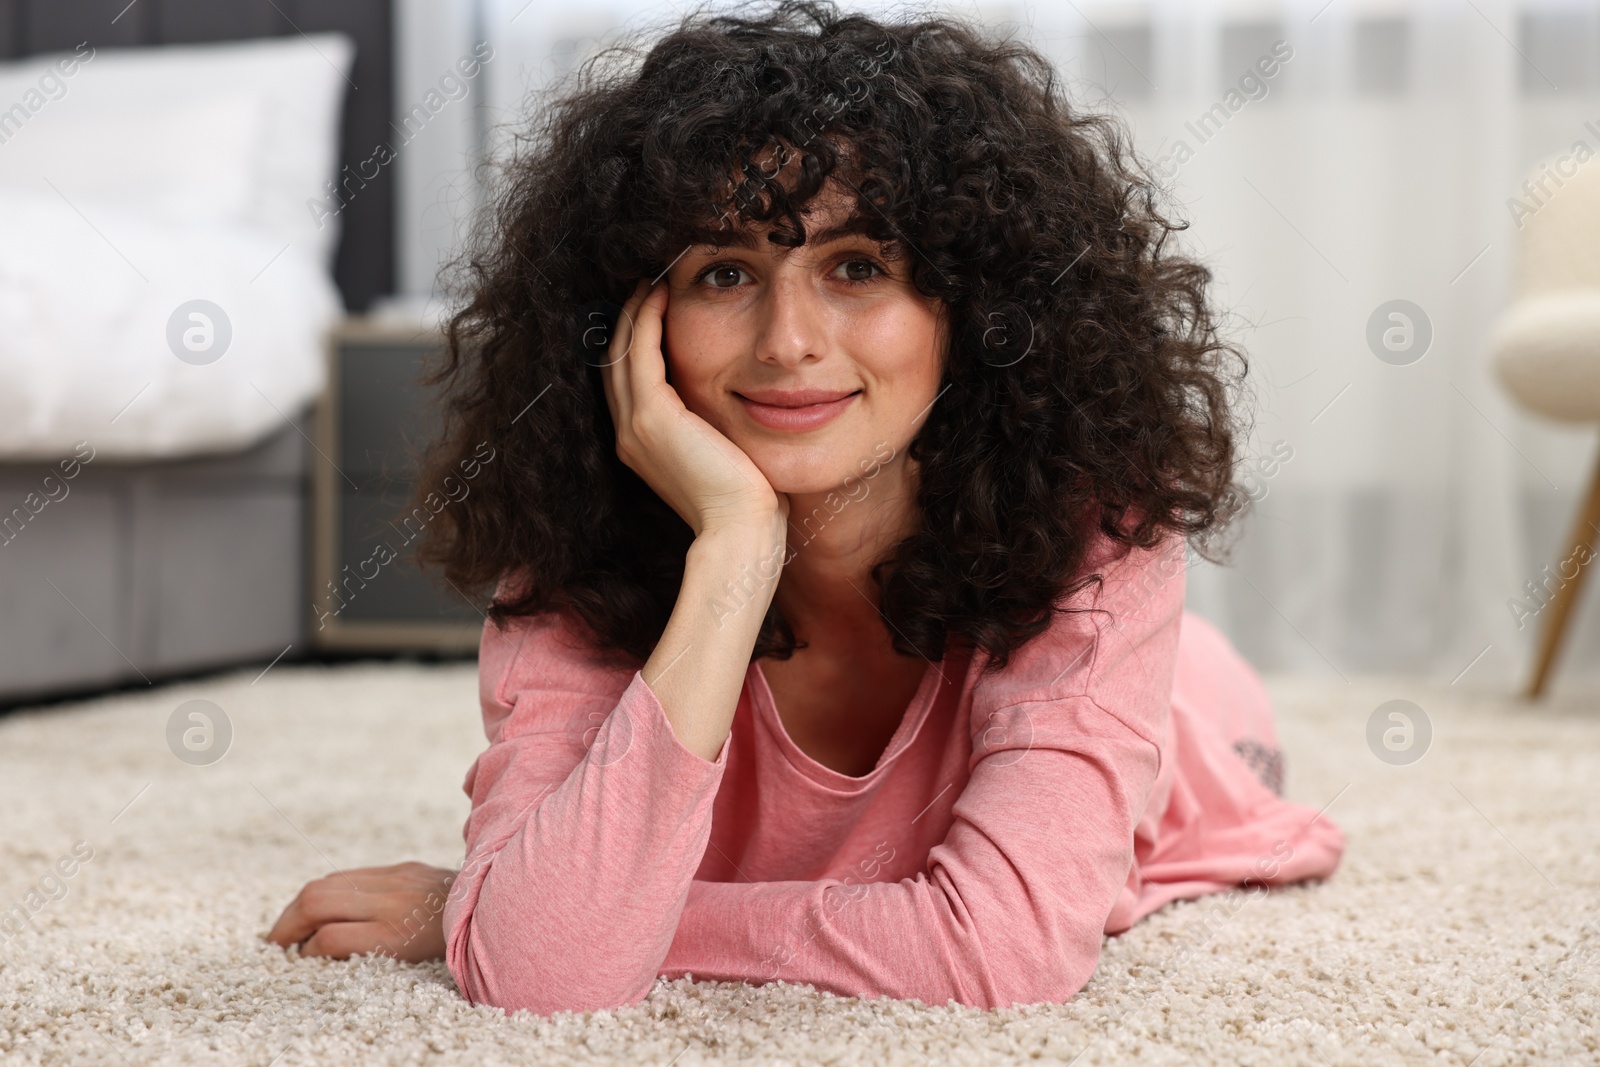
(705, 477)
(392, 911)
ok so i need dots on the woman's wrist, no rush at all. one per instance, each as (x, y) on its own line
(753, 541)
(736, 567)
(756, 523)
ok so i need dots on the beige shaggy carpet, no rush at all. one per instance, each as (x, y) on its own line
(1461, 929)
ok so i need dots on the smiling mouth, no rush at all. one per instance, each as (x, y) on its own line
(796, 411)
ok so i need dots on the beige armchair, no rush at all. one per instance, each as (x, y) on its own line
(1546, 352)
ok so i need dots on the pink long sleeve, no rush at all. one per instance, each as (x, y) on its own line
(1012, 907)
(578, 858)
(1016, 817)
(1012, 903)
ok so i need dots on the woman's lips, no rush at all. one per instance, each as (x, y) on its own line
(798, 411)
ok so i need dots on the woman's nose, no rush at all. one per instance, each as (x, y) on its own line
(792, 328)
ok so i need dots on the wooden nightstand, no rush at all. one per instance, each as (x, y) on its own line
(367, 592)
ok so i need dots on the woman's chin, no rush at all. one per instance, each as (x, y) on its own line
(800, 471)
(817, 462)
(804, 486)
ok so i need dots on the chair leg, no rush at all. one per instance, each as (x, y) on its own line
(1588, 526)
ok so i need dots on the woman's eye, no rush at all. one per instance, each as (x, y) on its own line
(724, 277)
(858, 270)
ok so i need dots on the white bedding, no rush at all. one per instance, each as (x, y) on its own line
(84, 353)
(134, 183)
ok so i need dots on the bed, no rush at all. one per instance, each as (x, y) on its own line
(175, 253)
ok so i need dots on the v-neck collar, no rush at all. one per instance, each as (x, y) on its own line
(765, 707)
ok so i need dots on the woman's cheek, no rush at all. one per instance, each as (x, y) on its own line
(904, 348)
(681, 349)
(695, 361)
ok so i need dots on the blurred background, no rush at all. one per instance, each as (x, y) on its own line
(222, 225)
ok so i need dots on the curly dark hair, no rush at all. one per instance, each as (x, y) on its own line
(1086, 387)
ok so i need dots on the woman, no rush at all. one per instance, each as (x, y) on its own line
(838, 635)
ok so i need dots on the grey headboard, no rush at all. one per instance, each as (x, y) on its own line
(365, 265)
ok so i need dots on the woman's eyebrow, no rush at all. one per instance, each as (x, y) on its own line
(743, 238)
(853, 227)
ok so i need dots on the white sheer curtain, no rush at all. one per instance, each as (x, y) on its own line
(1375, 167)
(1401, 505)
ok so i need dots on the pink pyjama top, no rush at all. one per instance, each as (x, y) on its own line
(1123, 759)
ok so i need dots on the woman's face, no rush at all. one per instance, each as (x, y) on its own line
(814, 360)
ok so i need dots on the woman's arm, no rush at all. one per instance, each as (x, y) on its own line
(1072, 766)
(590, 811)
(1011, 907)
(740, 527)
(579, 860)
(1066, 745)
(577, 870)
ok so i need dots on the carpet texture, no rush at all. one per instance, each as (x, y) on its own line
(1461, 928)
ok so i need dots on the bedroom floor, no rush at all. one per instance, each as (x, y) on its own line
(1461, 929)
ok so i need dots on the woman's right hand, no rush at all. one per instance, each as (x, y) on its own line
(390, 911)
(703, 476)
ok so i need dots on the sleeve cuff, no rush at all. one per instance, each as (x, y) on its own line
(640, 722)
(645, 708)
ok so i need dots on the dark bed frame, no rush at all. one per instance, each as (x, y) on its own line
(154, 569)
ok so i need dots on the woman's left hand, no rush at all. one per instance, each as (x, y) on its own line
(392, 911)
(706, 478)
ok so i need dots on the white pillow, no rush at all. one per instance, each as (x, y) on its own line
(138, 158)
(189, 108)
(96, 332)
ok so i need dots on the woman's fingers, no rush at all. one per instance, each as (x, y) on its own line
(411, 943)
(646, 366)
(622, 333)
(636, 371)
(614, 373)
(408, 895)
(340, 941)
(318, 905)
(691, 466)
